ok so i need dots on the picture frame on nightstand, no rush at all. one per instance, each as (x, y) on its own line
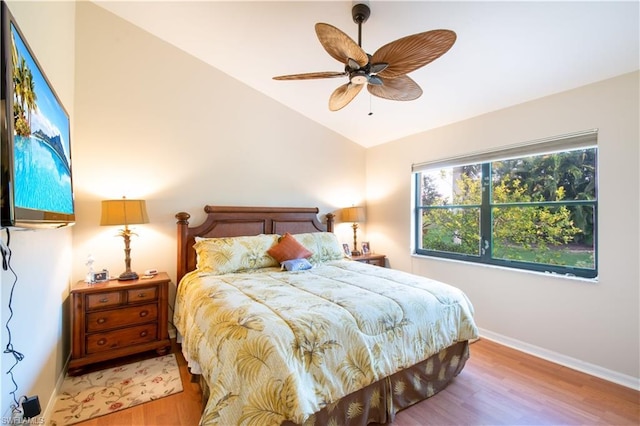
(365, 248)
(346, 249)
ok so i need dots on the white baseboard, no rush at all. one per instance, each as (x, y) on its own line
(557, 358)
(52, 399)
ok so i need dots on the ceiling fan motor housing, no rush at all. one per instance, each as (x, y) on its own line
(360, 13)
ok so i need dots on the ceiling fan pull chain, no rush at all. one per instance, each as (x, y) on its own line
(370, 101)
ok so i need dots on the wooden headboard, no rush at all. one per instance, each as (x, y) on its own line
(223, 221)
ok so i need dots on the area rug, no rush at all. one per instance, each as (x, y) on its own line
(113, 389)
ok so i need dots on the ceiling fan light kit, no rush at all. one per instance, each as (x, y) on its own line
(385, 72)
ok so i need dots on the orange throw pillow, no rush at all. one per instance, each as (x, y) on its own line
(288, 248)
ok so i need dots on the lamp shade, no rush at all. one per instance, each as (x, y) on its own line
(353, 214)
(123, 212)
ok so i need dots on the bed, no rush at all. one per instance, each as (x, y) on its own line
(324, 341)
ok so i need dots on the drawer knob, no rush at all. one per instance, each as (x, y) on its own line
(143, 333)
(144, 313)
(142, 295)
(102, 341)
(101, 320)
(105, 300)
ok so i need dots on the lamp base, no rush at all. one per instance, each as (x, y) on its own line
(128, 276)
(355, 253)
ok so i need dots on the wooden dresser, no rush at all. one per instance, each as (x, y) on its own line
(118, 318)
(372, 259)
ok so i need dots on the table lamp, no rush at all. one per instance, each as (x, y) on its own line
(124, 212)
(355, 215)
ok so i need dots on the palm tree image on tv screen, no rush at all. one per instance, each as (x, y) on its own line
(41, 149)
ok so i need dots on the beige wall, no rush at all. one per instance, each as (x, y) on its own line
(40, 259)
(156, 123)
(594, 325)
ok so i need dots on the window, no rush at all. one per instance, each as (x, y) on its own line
(531, 206)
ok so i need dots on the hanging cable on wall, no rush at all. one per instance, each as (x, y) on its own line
(6, 265)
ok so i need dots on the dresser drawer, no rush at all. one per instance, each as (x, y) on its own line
(377, 262)
(103, 300)
(142, 294)
(105, 320)
(372, 259)
(122, 338)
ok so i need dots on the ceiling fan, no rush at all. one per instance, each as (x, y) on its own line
(385, 71)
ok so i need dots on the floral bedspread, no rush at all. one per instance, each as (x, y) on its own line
(276, 345)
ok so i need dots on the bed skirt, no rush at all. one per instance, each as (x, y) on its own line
(381, 401)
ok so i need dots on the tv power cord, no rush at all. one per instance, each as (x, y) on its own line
(6, 265)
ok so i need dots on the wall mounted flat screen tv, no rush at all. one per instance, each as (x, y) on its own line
(36, 182)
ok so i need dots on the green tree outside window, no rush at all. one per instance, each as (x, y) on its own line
(536, 212)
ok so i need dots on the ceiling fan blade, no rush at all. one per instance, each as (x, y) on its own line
(311, 75)
(412, 52)
(401, 88)
(344, 94)
(339, 45)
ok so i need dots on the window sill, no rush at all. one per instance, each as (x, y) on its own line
(504, 268)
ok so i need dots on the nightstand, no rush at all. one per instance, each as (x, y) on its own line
(372, 259)
(118, 318)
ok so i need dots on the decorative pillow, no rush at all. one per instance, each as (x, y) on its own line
(233, 254)
(296, 264)
(288, 248)
(324, 245)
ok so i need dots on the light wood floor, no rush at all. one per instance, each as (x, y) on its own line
(498, 386)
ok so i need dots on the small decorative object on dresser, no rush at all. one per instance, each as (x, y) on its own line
(372, 259)
(365, 248)
(116, 318)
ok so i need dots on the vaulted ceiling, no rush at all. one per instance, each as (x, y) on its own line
(506, 53)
